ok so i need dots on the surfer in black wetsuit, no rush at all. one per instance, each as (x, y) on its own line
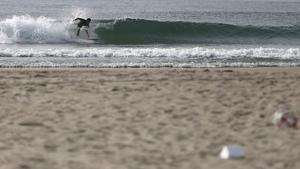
(81, 23)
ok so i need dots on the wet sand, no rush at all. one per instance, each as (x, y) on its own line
(146, 118)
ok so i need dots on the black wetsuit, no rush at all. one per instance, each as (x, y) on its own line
(81, 23)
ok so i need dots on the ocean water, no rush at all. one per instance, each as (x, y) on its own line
(150, 33)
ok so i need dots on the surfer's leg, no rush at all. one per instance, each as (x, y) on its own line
(87, 33)
(78, 31)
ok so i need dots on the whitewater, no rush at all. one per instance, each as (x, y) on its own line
(191, 38)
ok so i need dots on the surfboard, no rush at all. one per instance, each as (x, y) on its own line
(92, 38)
(83, 37)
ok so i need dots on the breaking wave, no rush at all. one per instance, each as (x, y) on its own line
(27, 29)
(138, 31)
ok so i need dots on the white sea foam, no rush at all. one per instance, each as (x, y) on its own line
(151, 52)
(27, 29)
(70, 56)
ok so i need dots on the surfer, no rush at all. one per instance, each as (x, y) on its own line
(83, 23)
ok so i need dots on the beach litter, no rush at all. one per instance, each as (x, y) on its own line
(232, 152)
(285, 119)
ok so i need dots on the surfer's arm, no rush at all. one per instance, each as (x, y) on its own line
(80, 19)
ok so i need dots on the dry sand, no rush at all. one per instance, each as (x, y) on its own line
(146, 118)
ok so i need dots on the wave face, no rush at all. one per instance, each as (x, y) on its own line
(138, 31)
(27, 29)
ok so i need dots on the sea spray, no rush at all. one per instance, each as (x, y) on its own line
(27, 29)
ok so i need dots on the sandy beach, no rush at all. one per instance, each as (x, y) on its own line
(146, 118)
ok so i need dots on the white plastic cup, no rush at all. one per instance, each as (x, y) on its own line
(232, 152)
